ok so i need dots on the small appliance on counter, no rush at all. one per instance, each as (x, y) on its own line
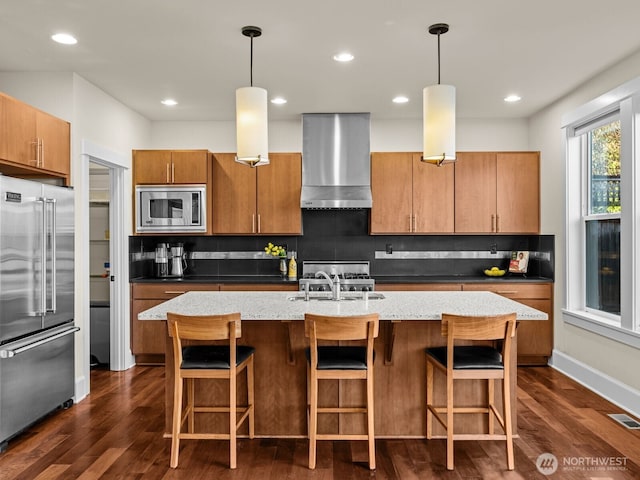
(162, 260)
(178, 260)
(170, 260)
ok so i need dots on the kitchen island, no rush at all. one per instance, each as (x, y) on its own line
(409, 323)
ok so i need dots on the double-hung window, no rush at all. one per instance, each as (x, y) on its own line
(602, 250)
(600, 156)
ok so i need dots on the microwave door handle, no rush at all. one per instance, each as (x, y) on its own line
(53, 251)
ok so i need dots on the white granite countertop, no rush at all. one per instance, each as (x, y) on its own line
(257, 305)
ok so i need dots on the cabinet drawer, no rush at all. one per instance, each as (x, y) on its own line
(512, 290)
(165, 291)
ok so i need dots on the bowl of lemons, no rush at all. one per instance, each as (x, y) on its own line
(494, 272)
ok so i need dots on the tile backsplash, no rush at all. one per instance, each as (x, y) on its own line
(343, 235)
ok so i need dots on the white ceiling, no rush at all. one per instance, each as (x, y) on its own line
(141, 51)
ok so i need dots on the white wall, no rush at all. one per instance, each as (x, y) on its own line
(609, 358)
(102, 120)
(386, 135)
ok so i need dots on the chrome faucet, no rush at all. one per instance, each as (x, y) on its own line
(333, 284)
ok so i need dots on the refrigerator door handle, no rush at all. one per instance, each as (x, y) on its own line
(12, 349)
(43, 251)
(52, 202)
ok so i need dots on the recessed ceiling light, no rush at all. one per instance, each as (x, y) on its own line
(279, 100)
(64, 38)
(400, 99)
(512, 98)
(169, 102)
(343, 57)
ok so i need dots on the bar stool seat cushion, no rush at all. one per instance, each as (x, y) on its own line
(470, 357)
(215, 357)
(340, 358)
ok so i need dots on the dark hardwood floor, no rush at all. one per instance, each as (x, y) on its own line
(116, 433)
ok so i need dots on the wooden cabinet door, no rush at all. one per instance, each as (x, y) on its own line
(278, 195)
(148, 337)
(151, 167)
(55, 137)
(535, 337)
(475, 192)
(234, 196)
(433, 197)
(189, 166)
(18, 132)
(392, 192)
(518, 192)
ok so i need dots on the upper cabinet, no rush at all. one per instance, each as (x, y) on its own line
(160, 167)
(497, 192)
(261, 200)
(33, 142)
(410, 196)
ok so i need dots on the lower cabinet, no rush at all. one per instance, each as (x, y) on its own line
(148, 337)
(535, 338)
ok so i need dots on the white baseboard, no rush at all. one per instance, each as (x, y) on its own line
(82, 389)
(607, 387)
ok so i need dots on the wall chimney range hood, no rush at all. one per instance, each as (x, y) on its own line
(336, 168)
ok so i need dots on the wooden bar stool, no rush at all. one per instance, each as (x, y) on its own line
(473, 362)
(207, 362)
(340, 362)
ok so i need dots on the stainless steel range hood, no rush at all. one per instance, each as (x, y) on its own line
(336, 168)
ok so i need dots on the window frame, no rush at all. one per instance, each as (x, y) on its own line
(623, 101)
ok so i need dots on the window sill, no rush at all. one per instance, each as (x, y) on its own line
(601, 326)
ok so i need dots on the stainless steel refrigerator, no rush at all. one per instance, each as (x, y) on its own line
(36, 302)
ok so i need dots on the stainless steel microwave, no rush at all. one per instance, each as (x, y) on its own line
(171, 208)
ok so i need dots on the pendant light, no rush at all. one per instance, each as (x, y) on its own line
(251, 117)
(439, 115)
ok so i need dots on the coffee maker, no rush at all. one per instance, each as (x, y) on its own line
(178, 260)
(162, 260)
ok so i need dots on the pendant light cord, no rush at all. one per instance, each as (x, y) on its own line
(251, 62)
(438, 58)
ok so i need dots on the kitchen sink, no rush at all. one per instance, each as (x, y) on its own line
(344, 296)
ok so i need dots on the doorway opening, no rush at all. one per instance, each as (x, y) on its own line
(95, 156)
(99, 266)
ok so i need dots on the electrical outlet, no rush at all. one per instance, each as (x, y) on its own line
(389, 248)
(494, 248)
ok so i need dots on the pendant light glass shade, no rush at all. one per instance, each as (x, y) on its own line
(252, 147)
(439, 115)
(439, 123)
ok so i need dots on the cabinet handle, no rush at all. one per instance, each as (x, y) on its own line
(168, 180)
(493, 223)
(41, 153)
(410, 222)
(497, 223)
(258, 223)
(174, 292)
(253, 223)
(506, 292)
(36, 143)
(415, 223)
(173, 173)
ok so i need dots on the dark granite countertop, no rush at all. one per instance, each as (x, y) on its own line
(381, 279)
